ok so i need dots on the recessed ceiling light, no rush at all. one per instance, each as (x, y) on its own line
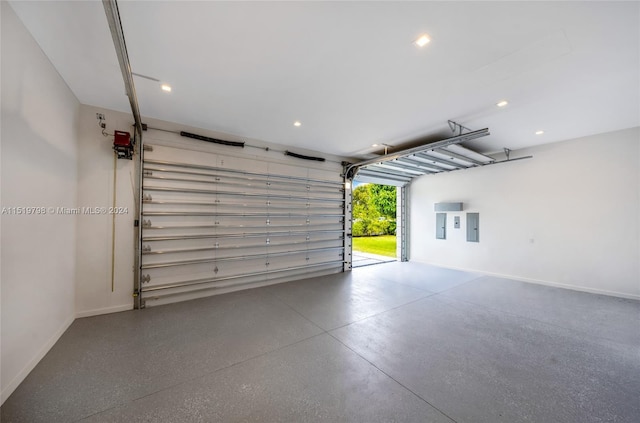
(422, 41)
(297, 123)
(166, 87)
(540, 132)
(502, 103)
(374, 145)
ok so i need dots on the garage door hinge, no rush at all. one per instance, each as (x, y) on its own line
(145, 278)
(147, 147)
(147, 197)
(146, 223)
(147, 173)
(216, 270)
(136, 296)
(146, 249)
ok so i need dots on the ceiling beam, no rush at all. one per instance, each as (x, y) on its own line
(115, 26)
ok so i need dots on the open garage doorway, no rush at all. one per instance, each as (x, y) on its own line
(375, 221)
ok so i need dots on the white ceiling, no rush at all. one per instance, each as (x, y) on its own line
(349, 71)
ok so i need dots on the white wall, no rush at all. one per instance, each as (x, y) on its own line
(39, 153)
(94, 294)
(567, 217)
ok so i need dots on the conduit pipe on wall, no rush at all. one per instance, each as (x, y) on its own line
(113, 222)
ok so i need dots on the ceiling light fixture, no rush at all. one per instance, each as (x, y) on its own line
(166, 88)
(374, 145)
(502, 103)
(540, 132)
(422, 41)
(297, 123)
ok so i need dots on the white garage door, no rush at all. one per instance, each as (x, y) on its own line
(216, 219)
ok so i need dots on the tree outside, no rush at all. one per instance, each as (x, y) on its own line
(374, 210)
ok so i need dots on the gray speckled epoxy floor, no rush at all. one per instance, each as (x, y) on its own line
(396, 342)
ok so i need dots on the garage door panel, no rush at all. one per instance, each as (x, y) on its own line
(214, 223)
(157, 221)
(323, 174)
(235, 163)
(239, 266)
(298, 172)
(187, 208)
(177, 274)
(159, 257)
(183, 155)
(162, 197)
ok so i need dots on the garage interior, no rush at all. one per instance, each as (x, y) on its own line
(176, 211)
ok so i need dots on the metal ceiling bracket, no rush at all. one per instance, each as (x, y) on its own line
(457, 128)
(353, 169)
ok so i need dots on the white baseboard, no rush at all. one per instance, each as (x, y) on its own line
(542, 282)
(8, 390)
(105, 310)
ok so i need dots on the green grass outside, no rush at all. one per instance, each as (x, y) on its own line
(384, 245)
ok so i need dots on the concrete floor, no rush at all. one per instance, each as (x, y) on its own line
(360, 259)
(396, 342)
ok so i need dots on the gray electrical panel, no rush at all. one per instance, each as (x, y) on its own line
(441, 207)
(456, 222)
(441, 226)
(473, 227)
